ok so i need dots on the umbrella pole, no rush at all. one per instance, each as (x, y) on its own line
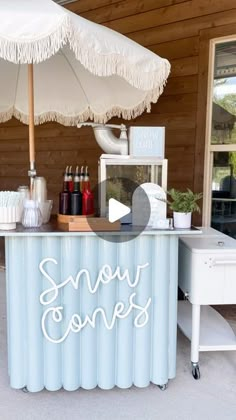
(32, 171)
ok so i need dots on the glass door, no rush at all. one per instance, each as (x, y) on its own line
(220, 170)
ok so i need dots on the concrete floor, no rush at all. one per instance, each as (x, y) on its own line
(213, 397)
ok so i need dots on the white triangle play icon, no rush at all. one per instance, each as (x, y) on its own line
(117, 210)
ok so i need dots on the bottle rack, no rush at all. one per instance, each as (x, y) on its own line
(86, 224)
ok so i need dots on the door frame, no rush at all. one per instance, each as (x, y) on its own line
(203, 149)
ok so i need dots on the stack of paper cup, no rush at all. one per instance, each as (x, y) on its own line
(40, 189)
(40, 195)
(46, 209)
(24, 195)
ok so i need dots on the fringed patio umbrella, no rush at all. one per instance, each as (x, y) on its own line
(82, 71)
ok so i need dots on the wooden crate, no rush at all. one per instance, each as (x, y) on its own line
(82, 224)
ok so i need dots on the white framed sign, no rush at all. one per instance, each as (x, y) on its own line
(147, 141)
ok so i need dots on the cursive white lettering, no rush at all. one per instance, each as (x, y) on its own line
(105, 276)
(76, 323)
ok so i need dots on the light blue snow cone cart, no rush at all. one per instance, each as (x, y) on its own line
(85, 312)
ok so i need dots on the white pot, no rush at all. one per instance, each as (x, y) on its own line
(182, 220)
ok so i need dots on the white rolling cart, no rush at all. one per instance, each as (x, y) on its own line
(207, 276)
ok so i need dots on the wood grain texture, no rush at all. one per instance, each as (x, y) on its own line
(179, 48)
(87, 224)
(184, 66)
(166, 15)
(182, 30)
(181, 85)
(81, 6)
(186, 102)
(122, 9)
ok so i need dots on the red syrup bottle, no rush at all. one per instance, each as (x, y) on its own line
(88, 196)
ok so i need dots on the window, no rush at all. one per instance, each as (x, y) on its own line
(220, 160)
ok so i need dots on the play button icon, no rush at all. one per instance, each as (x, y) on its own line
(113, 201)
(116, 210)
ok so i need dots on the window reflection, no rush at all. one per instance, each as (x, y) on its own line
(126, 177)
(224, 193)
(224, 95)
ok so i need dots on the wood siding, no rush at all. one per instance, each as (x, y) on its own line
(176, 29)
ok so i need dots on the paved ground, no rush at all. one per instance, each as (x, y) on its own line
(211, 398)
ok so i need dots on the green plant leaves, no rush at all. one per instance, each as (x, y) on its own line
(184, 202)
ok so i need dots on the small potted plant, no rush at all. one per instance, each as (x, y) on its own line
(183, 205)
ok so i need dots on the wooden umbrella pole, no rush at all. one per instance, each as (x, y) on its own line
(32, 171)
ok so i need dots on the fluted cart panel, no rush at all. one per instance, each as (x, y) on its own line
(84, 312)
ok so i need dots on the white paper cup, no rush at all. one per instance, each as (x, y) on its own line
(46, 208)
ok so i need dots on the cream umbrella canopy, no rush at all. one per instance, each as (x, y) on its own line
(82, 70)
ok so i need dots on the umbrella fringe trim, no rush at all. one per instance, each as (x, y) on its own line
(88, 114)
(38, 50)
(6, 115)
(35, 51)
(116, 64)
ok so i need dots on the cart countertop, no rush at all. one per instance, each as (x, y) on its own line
(52, 229)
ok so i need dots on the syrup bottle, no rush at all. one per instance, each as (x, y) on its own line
(76, 195)
(70, 179)
(64, 196)
(88, 197)
(81, 178)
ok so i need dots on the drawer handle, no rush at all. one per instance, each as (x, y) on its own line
(224, 262)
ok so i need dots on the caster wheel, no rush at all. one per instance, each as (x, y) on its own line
(25, 390)
(163, 387)
(196, 371)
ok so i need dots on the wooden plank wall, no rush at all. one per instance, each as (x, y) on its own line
(172, 29)
(56, 147)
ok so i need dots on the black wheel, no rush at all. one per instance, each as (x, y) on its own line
(25, 389)
(163, 387)
(196, 372)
